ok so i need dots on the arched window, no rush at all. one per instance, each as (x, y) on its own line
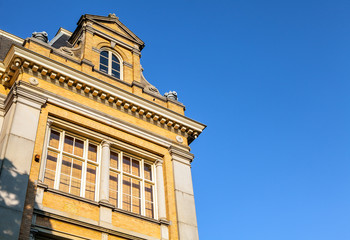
(110, 64)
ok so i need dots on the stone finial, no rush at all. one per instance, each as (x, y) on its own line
(112, 15)
(42, 36)
(171, 95)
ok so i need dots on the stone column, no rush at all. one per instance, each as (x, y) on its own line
(105, 162)
(105, 208)
(160, 190)
(17, 139)
(161, 200)
(185, 206)
(44, 153)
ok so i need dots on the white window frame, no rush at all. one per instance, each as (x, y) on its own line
(109, 67)
(116, 145)
(141, 178)
(85, 161)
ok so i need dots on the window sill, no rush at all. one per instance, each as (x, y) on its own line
(68, 195)
(119, 210)
(111, 77)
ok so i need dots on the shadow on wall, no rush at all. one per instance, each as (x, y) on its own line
(14, 186)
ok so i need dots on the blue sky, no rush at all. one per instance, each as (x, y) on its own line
(271, 81)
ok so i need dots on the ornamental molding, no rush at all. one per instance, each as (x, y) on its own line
(180, 155)
(84, 222)
(19, 59)
(96, 20)
(103, 118)
(25, 97)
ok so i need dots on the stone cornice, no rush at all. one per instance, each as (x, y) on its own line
(109, 38)
(104, 118)
(94, 18)
(180, 155)
(18, 94)
(22, 58)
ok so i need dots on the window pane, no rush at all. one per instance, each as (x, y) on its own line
(76, 177)
(135, 167)
(115, 66)
(126, 202)
(104, 60)
(103, 68)
(148, 192)
(50, 169)
(149, 209)
(114, 160)
(126, 164)
(148, 171)
(65, 174)
(136, 188)
(54, 139)
(127, 193)
(115, 74)
(114, 58)
(126, 185)
(136, 205)
(104, 54)
(113, 188)
(92, 155)
(78, 147)
(68, 144)
(90, 182)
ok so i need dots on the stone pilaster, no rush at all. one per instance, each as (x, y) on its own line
(44, 154)
(186, 211)
(105, 207)
(105, 162)
(161, 200)
(17, 139)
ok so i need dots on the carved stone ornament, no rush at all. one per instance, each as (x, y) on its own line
(42, 36)
(171, 95)
(179, 139)
(76, 51)
(33, 81)
(147, 85)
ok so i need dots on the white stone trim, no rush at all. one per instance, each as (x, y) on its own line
(191, 127)
(12, 37)
(100, 116)
(86, 222)
(111, 52)
(99, 137)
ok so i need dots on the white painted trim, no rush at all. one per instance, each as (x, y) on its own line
(12, 37)
(103, 86)
(100, 116)
(111, 52)
(86, 222)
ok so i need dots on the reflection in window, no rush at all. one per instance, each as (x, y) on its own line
(110, 64)
(72, 165)
(136, 192)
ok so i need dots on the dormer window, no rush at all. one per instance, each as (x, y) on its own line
(110, 64)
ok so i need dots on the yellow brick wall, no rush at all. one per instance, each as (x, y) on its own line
(74, 207)
(83, 209)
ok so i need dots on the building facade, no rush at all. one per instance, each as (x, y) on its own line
(89, 149)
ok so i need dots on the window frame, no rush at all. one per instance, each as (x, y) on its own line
(117, 146)
(85, 161)
(121, 173)
(109, 67)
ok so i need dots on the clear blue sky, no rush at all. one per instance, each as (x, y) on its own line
(271, 81)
